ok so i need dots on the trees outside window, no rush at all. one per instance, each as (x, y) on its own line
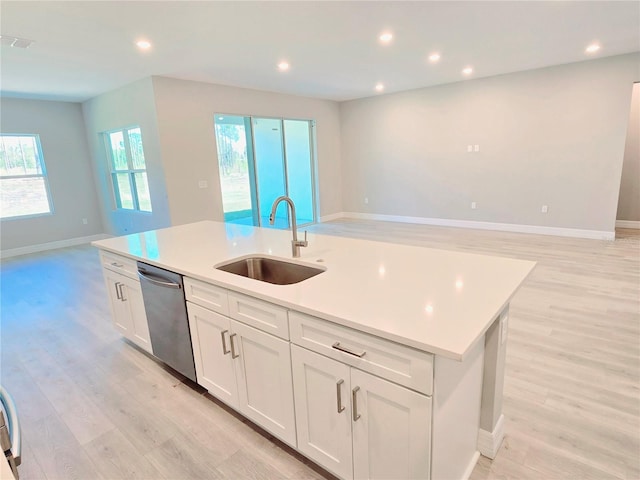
(24, 189)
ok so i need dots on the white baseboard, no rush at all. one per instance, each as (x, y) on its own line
(627, 224)
(489, 442)
(471, 466)
(70, 242)
(505, 227)
(333, 216)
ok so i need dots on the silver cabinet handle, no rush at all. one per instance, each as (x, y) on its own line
(233, 349)
(117, 287)
(224, 343)
(354, 401)
(339, 397)
(337, 346)
(122, 292)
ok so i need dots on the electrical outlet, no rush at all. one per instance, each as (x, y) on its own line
(544, 209)
(476, 148)
(85, 221)
(473, 205)
(366, 200)
(203, 184)
(469, 148)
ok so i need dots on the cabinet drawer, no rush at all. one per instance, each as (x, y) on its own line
(206, 295)
(264, 316)
(120, 264)
(397, 363)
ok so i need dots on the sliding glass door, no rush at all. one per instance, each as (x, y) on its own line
(237, 178)
(261, 159)
(270, 168)
(297, 139)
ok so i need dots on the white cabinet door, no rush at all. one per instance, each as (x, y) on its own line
(212, 353)
(127, 308)
(263, 371)
(391, 429)
(323, 410)
(131, 296)
(120, 319)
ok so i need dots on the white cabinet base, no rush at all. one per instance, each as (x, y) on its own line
(489, 442)
(457, 393)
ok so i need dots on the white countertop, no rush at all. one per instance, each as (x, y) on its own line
(433, 300)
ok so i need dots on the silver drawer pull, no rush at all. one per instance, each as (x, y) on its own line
(354, 401)
(224, 343)
(337, 346)
(233, 350)
(340, 406)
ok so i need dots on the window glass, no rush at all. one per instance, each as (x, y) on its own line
(24, 189)
(135, 143)
(123, 189)
(142, 189)
(118, 152)
(128, 169)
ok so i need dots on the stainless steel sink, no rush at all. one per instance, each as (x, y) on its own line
(270, 270)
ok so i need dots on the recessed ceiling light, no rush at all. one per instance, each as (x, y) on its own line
(379, 87)
(143, 44)
(434, 57)
(15, 42)
(593, 48)
(386, 37)
(467, 71)
(283, 66)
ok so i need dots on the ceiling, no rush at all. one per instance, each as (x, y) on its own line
(84, 48)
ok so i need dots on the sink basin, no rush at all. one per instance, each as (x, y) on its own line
(270, 270)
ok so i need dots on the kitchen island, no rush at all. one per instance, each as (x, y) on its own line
(389, 363)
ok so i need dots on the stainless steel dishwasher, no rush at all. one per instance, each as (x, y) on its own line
(163, 293)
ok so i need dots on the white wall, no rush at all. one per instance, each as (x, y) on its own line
(629, 201)
(185, 112)
(67, 160)
(127, 106)
(553, 136)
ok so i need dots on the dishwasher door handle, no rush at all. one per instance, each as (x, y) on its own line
(158, 282)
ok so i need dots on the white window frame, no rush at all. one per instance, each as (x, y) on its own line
(43, 175)
(117, 199)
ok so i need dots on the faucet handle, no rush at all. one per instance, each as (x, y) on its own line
(305, 243)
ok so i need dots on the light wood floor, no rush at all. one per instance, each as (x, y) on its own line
(93, 406)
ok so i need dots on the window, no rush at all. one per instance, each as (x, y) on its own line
(24, 190)
(128, 169)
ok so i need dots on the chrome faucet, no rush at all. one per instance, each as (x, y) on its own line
(295, 243)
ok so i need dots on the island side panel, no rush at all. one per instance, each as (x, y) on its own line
(491, 430)
(457, 393)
